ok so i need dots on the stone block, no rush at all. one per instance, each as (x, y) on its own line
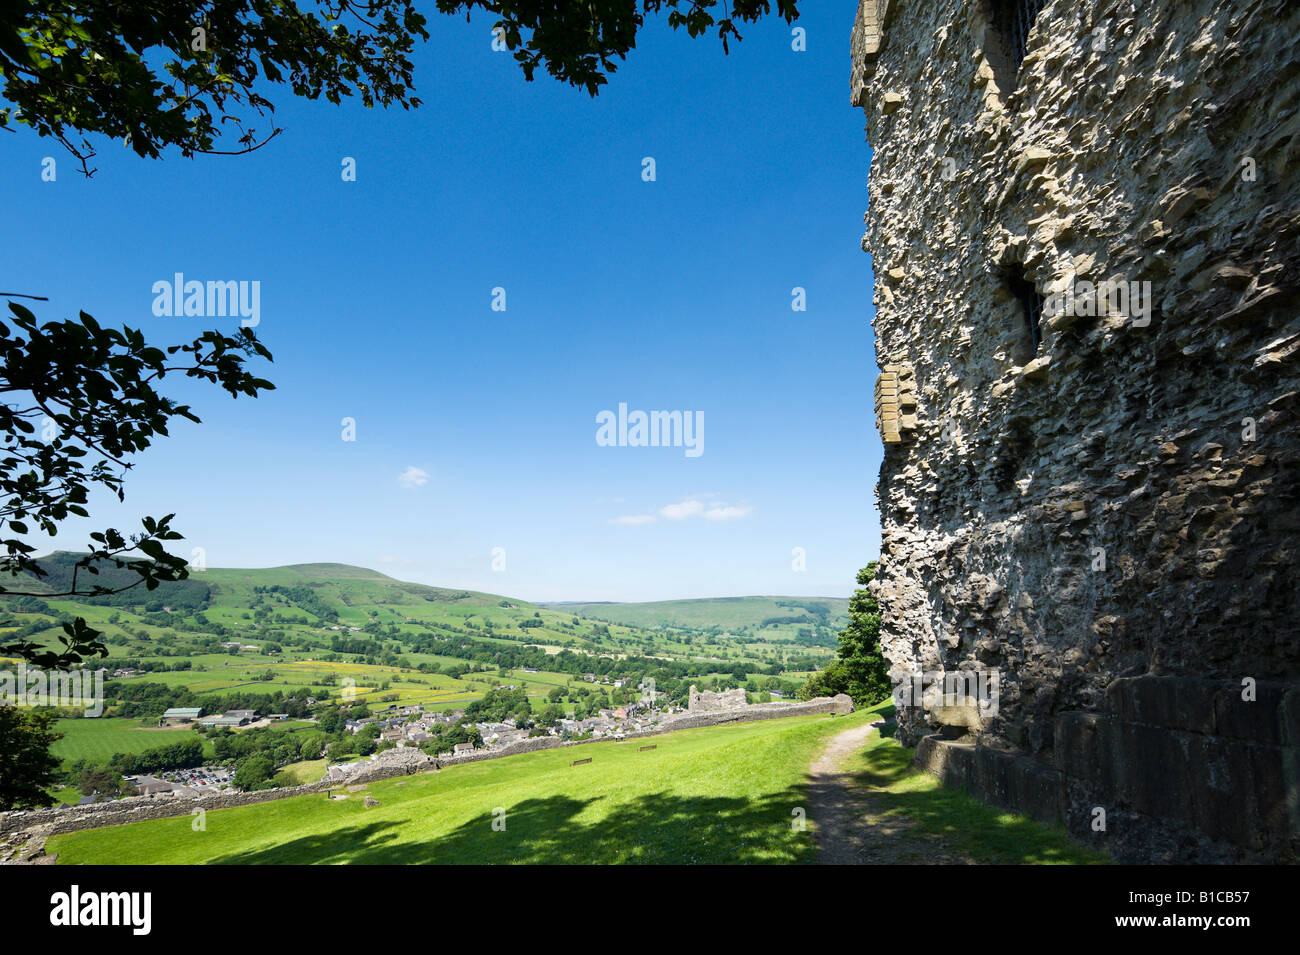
(1242, 795)
(1174, 702)
(1258, 720)
(1084, 745)
(1151, 771)
(951, 762)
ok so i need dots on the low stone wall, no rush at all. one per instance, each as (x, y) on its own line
(759, 711)
(840, 704)
(536, 744)
(1184, 769)
(140, 808)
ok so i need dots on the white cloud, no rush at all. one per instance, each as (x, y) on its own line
(678, 512)
(634, 519)
(727, 512)
(413, 477)
(691, 507)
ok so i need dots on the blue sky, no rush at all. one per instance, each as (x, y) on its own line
(376, 302)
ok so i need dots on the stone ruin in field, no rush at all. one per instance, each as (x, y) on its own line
(706, 701)
(1084, 224)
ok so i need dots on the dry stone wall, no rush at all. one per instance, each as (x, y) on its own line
(140, 808)
(742, 713)
(1102, 496)
(836, 705)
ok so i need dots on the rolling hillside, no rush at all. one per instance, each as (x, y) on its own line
(737, 615)
(315, 631)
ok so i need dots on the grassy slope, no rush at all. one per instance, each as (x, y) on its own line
(701, 614)
(717, 795)
(308, 771)
(723, 794)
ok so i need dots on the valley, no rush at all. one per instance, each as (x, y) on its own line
(310, 640)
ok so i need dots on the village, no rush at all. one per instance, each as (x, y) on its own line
(400, 731)
(410, 726)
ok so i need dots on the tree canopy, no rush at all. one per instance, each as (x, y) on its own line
(27, 768)
(861, 670)
(80, 400)
(186, 73)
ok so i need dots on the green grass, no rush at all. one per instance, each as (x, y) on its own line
(716, 795)
(307, 771)
(971, 827)
(68, 795)
(97, 740)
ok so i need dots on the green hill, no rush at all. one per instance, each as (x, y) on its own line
(343, 587)
(58, 570)
(778, 617)
(312, 631)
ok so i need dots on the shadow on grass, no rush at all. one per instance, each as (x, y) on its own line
(656, 828)
(980, 831)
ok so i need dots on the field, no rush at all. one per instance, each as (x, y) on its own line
(716, 795)
(97, 740)
(308, 771)
(334, 641)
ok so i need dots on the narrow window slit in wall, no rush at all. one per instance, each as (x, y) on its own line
(1013, 19)
(1032, 303)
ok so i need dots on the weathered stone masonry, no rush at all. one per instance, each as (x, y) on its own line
(1101, 507)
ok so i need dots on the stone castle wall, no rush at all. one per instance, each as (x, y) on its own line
(1119, 502)
(706, 701)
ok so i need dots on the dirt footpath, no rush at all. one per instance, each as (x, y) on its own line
(852, 827)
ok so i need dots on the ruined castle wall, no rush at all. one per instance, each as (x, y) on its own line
(705, 701)
(1121, 501)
